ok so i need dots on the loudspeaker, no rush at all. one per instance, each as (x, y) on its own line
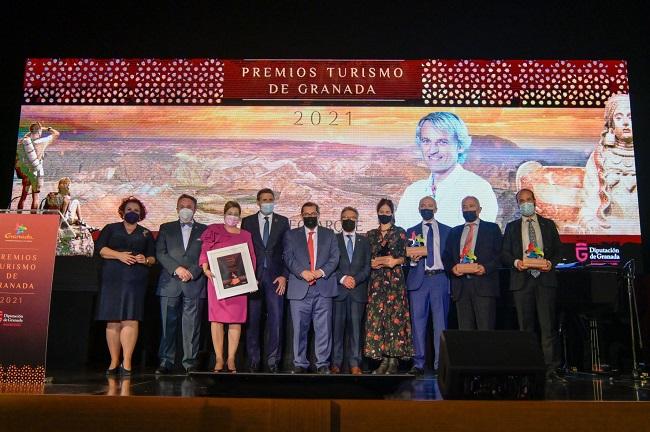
(491, 365)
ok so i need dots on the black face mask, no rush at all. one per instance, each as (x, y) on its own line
(348, 225)
(427, 214)
(470, 215)
(310, 221)
(385, 219)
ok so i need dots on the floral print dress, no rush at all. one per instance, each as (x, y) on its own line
(388, 324)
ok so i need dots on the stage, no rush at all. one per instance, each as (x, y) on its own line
(205, 401)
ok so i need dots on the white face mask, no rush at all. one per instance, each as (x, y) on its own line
(185, 215)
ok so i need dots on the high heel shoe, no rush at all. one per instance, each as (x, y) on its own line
(113, 372)
(393, 365)
(231, 362)
(216, 366)
(383, 367)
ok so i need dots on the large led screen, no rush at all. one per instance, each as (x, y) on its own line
(337, 133)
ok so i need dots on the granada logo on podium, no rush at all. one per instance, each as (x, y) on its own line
(27, 250)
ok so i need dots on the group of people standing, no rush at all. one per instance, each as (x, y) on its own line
(365, 290)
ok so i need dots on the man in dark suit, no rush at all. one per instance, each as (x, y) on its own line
(350, 303)
(267, 229)
(181, 285)
(534, 290)
(474, 294)
(311, 253)
(428, 284)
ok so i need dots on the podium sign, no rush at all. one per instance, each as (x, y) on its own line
(27, 251)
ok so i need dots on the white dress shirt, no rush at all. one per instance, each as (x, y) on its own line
(449, 196)
(186, 231)
(315, 240)
(260, 219)
(353, 238)
(463, 236)
(437, 260)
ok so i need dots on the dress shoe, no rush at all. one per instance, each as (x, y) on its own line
(356, 370)
(335, 370)
(554, 377)
(323, 370)
(163, 370)
(383, 367)
(418, 372)
(274, 369)
(393, 364)
(298, 370)
(253, 368)
(191, 369)
(124, 373)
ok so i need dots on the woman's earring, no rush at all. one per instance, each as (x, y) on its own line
(610, 138)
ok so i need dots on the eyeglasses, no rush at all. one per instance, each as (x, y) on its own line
(310, 215)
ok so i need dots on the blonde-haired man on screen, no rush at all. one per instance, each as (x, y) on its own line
(444, 141)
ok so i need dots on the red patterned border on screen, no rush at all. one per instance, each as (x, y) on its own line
(528, 83)
(123, 82)
(480, 83)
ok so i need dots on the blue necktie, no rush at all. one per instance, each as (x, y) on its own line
(265, 238)
(186, 224)
(429, 245)
(349, 247)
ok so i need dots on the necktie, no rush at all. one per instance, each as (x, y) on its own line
(265, 236)
(433, 188)
(349, 247)
(532, 239)
(429, 245)
(186, 224)
(468, 240)
(310, 246)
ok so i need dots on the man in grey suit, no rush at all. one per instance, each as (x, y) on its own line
(311, 254)
(181, 286)
(350, 303)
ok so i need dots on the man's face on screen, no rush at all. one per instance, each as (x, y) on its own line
(439, 148)
(622, 120)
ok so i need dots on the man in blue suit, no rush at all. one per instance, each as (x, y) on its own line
(350, 303)
(428, 284)
(475, 294)
(181, 286)
(311, 254)
(267, 229)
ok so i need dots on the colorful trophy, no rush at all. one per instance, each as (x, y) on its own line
(534, 257)
(467, 263)
(416, 246)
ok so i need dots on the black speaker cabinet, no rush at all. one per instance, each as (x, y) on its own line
(491, 365)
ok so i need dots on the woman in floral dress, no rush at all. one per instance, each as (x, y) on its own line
(388, 324)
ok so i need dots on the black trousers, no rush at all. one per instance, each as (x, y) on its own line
(475, 311)
(536, 299)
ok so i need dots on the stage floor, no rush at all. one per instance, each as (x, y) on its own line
(578, 387)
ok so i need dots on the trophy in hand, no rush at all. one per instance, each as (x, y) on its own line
(467, 263)
(534, 257)
(416, 247)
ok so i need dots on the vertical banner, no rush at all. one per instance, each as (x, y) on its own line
(27, 252)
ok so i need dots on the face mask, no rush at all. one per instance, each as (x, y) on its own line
(231, 220)
(527, 209)
(427, 214)
(185, 215)
(310, 221)
(267, 208)
(470, 215)
(348, 225)
(131, 217)
(385, 219)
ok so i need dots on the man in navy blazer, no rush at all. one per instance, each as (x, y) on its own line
(350, 303)
(534, 290)
(474, 294)
(311, 254)
(181, 285)
(267, 229)
(428, 284)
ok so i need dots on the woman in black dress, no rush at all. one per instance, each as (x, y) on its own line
(128, 251)
(388, 324)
